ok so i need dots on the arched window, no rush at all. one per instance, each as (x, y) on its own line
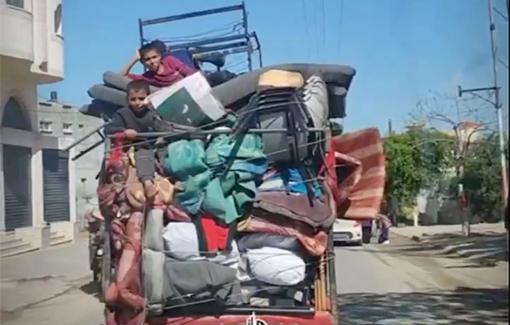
(57, 20)
(15, 117)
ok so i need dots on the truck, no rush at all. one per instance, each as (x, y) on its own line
(285, 109)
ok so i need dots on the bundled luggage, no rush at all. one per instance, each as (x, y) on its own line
(248, 225)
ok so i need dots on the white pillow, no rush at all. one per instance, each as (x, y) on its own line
(181, 241)
(276, 266)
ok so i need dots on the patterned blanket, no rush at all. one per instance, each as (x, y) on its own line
(360, 172)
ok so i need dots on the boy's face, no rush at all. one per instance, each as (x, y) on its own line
(152, 60)
(137, 100)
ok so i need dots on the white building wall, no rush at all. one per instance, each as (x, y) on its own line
(32, 39)
(16, 31)
(26, 95)
(66, 121)
(31, 54)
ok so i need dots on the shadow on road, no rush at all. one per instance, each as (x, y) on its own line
(459, 307)
(481, 250)
(92, 289)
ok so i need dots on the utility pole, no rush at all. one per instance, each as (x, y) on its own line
(499, 106)
(461, 142)
(497, 102)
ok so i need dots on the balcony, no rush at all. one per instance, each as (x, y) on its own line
(32, 45)
(16, 31)
(48, 65)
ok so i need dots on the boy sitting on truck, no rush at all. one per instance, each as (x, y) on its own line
(162, 72)
(137, 117)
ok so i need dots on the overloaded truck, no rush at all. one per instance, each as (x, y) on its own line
(250, 182)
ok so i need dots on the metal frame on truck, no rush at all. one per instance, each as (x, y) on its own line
(245, 42)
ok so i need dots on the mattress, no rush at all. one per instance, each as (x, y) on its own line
(172, 283)
(235, 92)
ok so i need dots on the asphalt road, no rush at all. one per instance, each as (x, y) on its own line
(375, 284)
(399, 284)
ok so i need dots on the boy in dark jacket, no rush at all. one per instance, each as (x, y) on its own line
(131, 120)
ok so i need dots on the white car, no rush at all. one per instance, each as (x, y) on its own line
(347, 231)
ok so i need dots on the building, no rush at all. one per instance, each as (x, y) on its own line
(467, 132)
(61, 120)
(31, 54)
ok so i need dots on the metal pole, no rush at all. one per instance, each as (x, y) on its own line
(466, 227)
(499, 106)
(245, 26)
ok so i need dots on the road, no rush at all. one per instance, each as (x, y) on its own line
(402, 284)
(393, 284)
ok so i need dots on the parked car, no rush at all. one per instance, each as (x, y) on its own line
(347, 231)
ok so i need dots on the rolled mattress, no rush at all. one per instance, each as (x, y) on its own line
(338, 79)
(168, 282)
(244, 85)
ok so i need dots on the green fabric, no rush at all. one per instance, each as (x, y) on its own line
(219, 205)
(193, 195)
(186, 158)
(207, 185)
(225, 147)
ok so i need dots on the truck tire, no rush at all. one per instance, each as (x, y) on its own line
(366, 235)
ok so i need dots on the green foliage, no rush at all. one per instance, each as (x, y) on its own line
(482, 178)
(421, 157)
(415, 160)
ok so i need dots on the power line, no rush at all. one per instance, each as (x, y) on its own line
(497, 102)
(307, 31)
(499, 106)
(323, 24)
(340, 25)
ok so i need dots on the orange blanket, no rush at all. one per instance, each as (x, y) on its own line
(360, 166)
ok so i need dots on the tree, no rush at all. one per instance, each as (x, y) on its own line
(467, 118)
(482, 178)
(415, 160)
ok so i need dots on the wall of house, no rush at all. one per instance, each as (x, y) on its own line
(25, 93)
(31, 39)
(64, 120)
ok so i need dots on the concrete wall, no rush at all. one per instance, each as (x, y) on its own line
(31, 54)
(26, 95)
(67, 122)
(16, 31)
(33, 34)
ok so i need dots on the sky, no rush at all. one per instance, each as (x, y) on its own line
(404, 51)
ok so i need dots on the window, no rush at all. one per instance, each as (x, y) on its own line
(45, 127)
(67, 128)
(15, 117)
(57, 20)
(16, 3)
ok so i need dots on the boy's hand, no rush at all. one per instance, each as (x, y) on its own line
(130, 134)
(137, 54)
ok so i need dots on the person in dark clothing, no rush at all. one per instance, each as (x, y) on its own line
(135, 118)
